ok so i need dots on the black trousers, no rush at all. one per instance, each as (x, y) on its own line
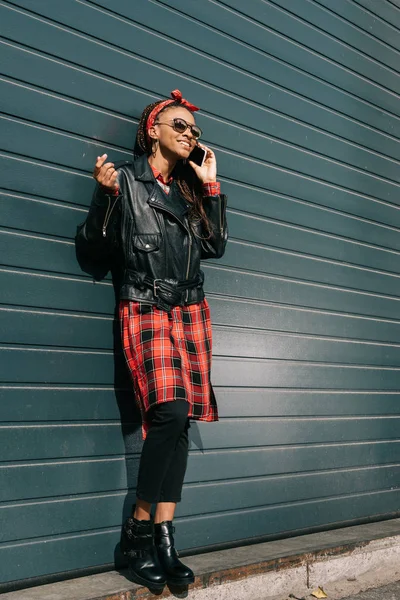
(164, 455)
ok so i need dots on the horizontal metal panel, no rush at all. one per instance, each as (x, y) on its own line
(394, 2)
(255, 229)
(55, 110)
(260, 27)
(56, 366)
(66, 79)
(385, 10)
(50, 329)
(263, 402)
(295, 374)
(81, 294)
(293, 183)
(328, 24)
(77, 188)
(275, 431)
(50, 254)
(77, 153)
(64, 477)
(259, 344)
(59, 554)
(66, 441)
(265, 23)
(85, 513)
(18, 208)
(55, 291)
(325, 38)
(151, 47)
(203, 499)
(74, 83)
(73, 403)
(81, 331)
(232, 525)
(376, 29)
(105, 128)
(19, 211)
(290, 299)
(33, 442)
(48, 181)
(261, 202)
(305, 309)
(43, 253)
(58, 147)
(242, 29)
(96, 367)
(79, 551)
(58, 403)
(262, 259)
(45, 180)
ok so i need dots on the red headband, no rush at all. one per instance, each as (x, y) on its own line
(176, 96)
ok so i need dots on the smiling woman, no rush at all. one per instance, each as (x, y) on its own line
(151, 222)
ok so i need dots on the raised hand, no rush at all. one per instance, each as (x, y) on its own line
(105, 174)
(208, 172)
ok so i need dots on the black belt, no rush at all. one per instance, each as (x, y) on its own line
(167, 292)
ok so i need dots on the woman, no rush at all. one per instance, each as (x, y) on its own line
(150, 222)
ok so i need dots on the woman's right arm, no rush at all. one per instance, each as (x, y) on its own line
(96, 237)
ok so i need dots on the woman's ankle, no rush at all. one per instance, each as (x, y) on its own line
(165, 511)
(142, 510)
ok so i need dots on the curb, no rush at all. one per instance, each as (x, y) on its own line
(343, 561)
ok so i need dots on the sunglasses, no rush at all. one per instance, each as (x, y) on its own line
(180, 126)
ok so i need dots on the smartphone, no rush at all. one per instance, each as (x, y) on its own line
(198, 155)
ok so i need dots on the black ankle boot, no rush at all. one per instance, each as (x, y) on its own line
(177, 573)
(137, 543)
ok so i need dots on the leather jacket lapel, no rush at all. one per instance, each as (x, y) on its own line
(173, 203)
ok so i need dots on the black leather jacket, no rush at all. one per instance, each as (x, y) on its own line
(144, 232)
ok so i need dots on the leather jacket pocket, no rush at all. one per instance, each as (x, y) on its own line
(146, 242)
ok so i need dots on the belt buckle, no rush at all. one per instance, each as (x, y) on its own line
(155, 287)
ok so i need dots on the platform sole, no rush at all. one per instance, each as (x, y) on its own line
(180, 582)
(157, 587)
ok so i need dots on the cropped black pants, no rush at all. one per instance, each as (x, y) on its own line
(164, 455)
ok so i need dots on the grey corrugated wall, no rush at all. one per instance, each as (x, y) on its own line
(301, 102)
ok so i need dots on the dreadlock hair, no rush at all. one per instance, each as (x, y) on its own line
(188, 183)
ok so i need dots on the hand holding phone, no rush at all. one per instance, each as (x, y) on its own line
(197, 156)
(205, 165)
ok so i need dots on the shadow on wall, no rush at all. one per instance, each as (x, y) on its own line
(131, 428)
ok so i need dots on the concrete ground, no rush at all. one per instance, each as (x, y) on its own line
(343, 562)
(387, 592)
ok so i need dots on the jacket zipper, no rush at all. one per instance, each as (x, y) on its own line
(221, 221)
(190, 243)
(188, 264)
(108, 215)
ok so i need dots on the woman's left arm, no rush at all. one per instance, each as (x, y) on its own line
(215, 209)
(214, 204)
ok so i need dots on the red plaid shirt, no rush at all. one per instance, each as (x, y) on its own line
(169, 357)
(209, 189)
(169, 354)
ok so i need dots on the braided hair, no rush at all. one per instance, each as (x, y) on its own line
(187, 181)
